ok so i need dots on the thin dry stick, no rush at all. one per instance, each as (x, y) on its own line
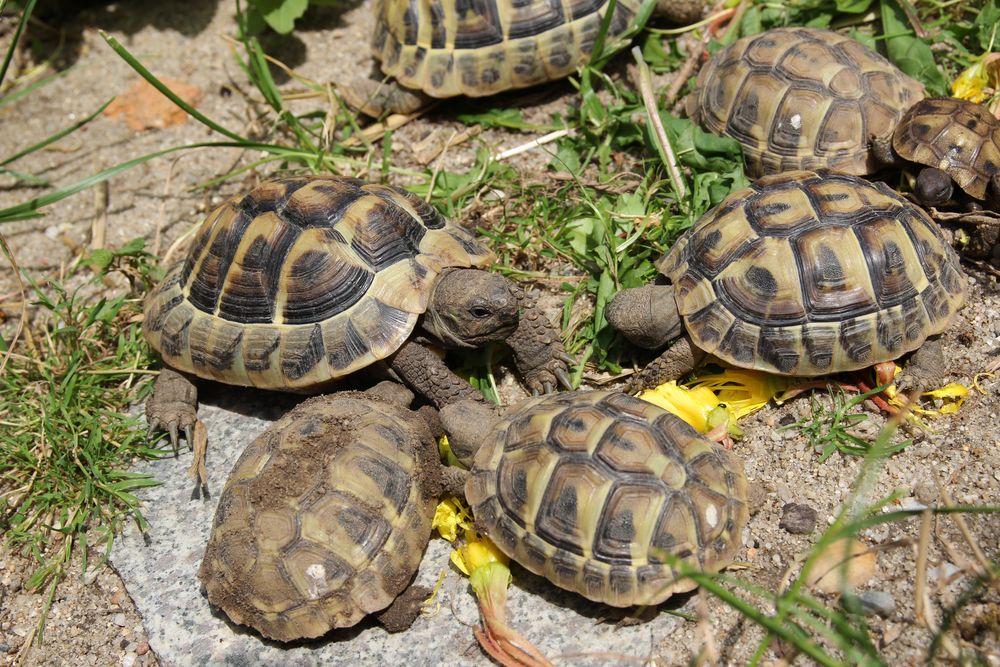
(534, 143)
(99, 226)
(963, 527)
(922, 602)
(711, 651)
(438, 164)
(157, 236)
(686, 70)
(646, 89)
(24, 302)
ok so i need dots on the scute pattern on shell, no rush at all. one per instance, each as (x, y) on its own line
(482, 47)
(302, 281)
(812, 273)
(324, 518)
(956, 136)
(802, 98)
(588, 489)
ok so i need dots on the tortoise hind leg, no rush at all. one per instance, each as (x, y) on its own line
(681, 357)
(376, 98)
(173, 406)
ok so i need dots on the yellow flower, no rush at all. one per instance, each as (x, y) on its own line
(448, 456)
(692, 405)
(972, 84)
(478, 552)
(449, 516)
(743, 391)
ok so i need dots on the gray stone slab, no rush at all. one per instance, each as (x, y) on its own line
(160, 574)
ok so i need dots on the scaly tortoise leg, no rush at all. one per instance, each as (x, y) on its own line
(428, 375)
(538, 350)
(173, 406)
(681, 357)
(375, 98)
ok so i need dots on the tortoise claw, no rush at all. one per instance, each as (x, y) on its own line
(189, 435)
(547, 387)
(174, 442)
(563, 378)
(563, 356)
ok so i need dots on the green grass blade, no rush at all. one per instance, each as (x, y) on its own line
(169, 94)
(21, 23)
(56, 136)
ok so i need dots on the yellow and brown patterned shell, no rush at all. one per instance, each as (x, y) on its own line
(809, 274)
(592, 489)
(451, 47)
(324, 518)
(802, 98)
(956, 136)
(302, 281)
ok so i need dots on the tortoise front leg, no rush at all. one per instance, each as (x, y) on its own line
(173, 406)
(538, 350)
(681, 357)
(375, 98)
(428, 375)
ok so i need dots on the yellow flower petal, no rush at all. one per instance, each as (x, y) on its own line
(449, 516)
(743, 391)
(691, 405)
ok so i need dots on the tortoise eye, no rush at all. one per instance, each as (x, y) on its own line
(480, 312)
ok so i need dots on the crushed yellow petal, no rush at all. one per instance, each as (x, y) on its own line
(450, 515)
(478, 551)
(980, 81)
(448, 456)
(720, 398)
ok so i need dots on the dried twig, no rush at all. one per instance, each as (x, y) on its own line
(648, 99)
(24, 302)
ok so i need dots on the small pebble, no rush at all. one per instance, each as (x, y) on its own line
(925, 493)
(142, 648)
(128, 660)
(119, 620)
(4, 647)
(876, 602)
(797, 519)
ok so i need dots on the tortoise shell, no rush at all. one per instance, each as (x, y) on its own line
(812, 273)
(324, 518)
(802, 98)
(302, 281)
(956, 136)
(593, 489)
(447, 47)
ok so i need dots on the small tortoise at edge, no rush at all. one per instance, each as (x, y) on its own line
(306, 280)
(956, 141)
(599, 492)
(801, 273)
(442, 48)
(802, 98)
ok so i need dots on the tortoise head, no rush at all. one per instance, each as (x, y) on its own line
(467, 423)
(472, 307)
(933, 187)
(647, 316)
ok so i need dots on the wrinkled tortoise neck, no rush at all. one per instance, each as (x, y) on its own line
(647, 316)
(467, 424)
(469, 308)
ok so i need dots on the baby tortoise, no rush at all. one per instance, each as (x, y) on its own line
(601, 493)
(957, 141)
(306, 280)
(444, 48)
(802, 98)
(326, 516)
(801, 273)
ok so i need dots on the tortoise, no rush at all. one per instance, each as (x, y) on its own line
(601, 493)
(801, 273)
(444, 48)
(325, 517)
(957, 141)
(802, 98)
(308, 279)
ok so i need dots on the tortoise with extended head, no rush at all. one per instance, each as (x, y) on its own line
(325, 517)
(445, 48)
(801, 273)
(599, 492)
(802, 98)
(957, 141)
(306, 280)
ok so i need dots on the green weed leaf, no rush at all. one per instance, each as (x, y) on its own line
(910, 54)
(280, 14)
